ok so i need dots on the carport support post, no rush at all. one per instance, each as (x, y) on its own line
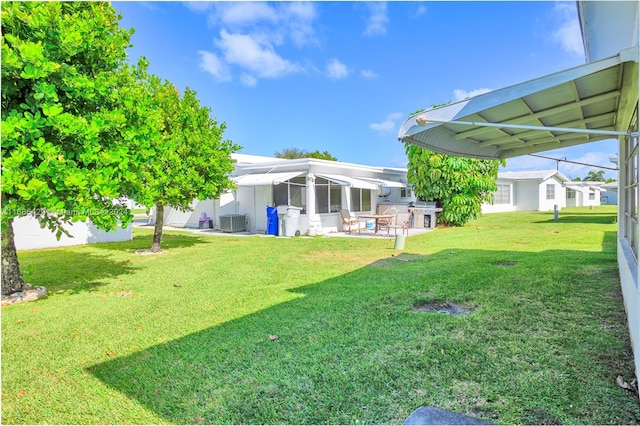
(555, 212)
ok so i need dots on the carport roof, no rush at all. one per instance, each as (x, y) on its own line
(571, 107)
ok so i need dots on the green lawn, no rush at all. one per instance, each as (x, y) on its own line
(188, 335)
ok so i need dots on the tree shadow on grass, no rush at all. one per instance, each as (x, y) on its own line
(595, 217)
(71, 271)
(142, 241)
(351, 350)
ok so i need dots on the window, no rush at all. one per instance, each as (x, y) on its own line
(551, 191)
(360, 200)
(328, 196)
(629, 228)
(592, 195)
(503, 194)
(405, 192)
(571, 194)
(291, 193)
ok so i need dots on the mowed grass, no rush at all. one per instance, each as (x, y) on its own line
(260, 330)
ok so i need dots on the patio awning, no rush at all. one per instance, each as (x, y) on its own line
(571, 107)
(384, 183)
(349, 181)
(258, 179)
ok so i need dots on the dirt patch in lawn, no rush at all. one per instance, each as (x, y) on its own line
(440, 307)
(505, 264)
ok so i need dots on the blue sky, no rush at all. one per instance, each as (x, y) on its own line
(343, 76)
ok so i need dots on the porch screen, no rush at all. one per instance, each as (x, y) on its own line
(360, 200)
(291, 193)
(328, 196)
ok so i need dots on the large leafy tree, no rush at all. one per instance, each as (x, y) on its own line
(71, 115)
(192, 160)
(293, 153)
(459, 185)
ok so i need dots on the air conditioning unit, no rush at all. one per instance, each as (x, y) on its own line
(233, 223)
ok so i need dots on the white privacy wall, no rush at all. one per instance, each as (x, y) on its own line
(29, 234)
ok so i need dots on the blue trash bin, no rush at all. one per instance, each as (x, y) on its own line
(272, 221)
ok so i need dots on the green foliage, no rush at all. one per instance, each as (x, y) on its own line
(594, 176)
(71, 114)
(191, 159)
(459, 185)
(292, 153)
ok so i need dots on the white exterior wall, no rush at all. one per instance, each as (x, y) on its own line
(29, 235)
(628, 268)
(526, 195)
(595, 201)
(560, 195)
(188, 219)
(609, 197)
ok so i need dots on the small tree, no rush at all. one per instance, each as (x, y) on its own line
(293, 153)
(71, 111)
(191, 160)
(458, 185)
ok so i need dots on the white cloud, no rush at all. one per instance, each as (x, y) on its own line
(368, 74)
(251, 34)
(248, 80)
(336, 70)
(210, 63)
(460, 95)
(300, 17)
(568, 34)
(199, 6)
(420, 10)
(388, 124)
(378, 20)
(253, 55)
(238, 15)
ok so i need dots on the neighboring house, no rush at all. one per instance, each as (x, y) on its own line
(584, 193)
(609, 193)
(534, 190)
(595, 101)
(319, 187)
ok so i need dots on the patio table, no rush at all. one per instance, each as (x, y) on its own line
(376, 217)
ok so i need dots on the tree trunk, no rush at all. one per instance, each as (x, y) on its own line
(157, 231)
(12, 281)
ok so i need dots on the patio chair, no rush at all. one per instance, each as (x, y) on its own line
(385, 223)
(402, 221)
(349, 220)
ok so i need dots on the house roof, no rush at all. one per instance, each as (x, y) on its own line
(533, 175)
(575, 106)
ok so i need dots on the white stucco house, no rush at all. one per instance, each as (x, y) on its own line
(595, 101)
(320, 188)
(541, 190)
(584, 194)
